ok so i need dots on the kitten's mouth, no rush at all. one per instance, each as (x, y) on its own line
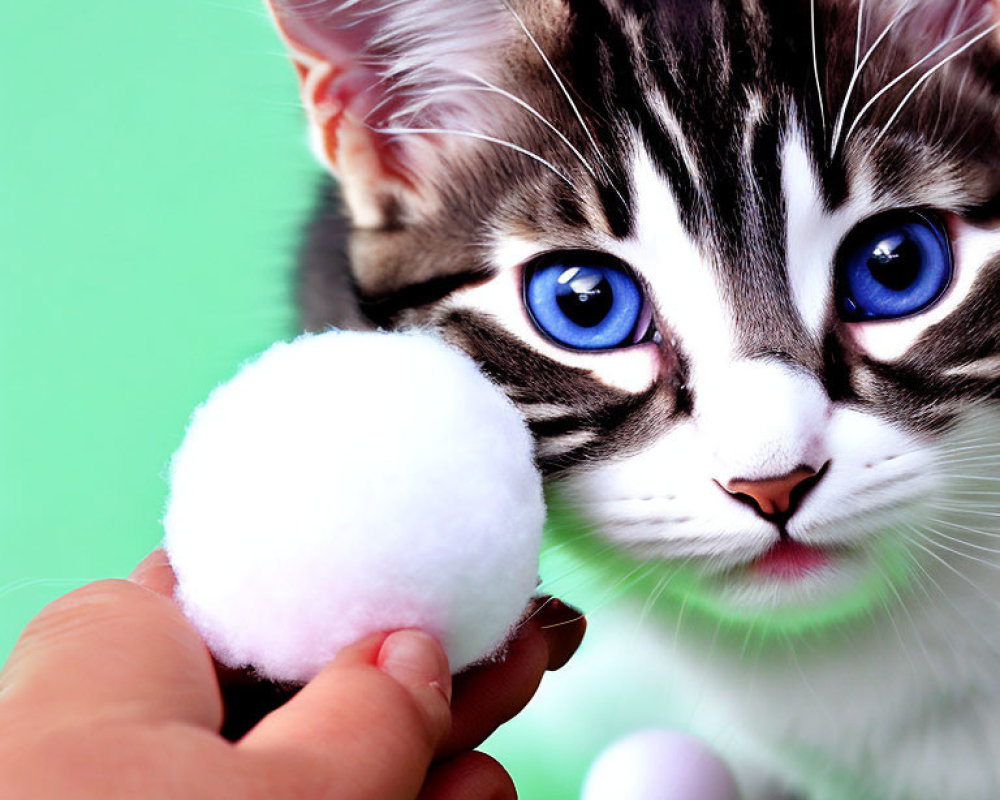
(789, 560)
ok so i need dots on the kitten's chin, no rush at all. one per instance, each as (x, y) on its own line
(750, 582)
(792, 575)
(782, 589)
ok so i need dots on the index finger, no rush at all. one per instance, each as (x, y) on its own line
(113, 648)
(489, 695)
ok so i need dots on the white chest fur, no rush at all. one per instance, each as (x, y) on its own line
(904, 706)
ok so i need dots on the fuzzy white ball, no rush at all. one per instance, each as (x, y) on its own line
(352, 483)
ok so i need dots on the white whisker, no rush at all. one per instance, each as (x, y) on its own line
(815, 57)
(967, 529)
(839, 125)
(968, 440)
(662, 585)
(821, 701)
(916, 629)
(547, 584)
(992, 458)
(33, 583)
(554, 73)
(901, 77)
(482, 137)
(489, 87)
(928, 75)
(562, 87)
(968, 510)
(555, 548)
(857, 46)
(961, 617)
(634, 575)
(983, 445)
(960, 476)
(991, 600)
(946, 548)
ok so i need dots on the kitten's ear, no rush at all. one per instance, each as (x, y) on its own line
(371, 69)
(942, 20)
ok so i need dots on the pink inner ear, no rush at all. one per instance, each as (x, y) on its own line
(328, 51)
(328, 46)
(316, 28)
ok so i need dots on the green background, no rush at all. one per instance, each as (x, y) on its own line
(153, 175)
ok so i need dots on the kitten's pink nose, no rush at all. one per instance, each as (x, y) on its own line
(777, 497)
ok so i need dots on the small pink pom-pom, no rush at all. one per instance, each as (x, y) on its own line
(659, 765)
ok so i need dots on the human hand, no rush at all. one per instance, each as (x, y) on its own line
(111, 694)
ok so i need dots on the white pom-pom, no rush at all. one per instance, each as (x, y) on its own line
(659, 765)
(352, 483)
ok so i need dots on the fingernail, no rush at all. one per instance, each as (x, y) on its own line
(415, 659)
(154, 573)
(563, 627)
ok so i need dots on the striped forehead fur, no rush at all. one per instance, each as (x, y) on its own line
(677, 80)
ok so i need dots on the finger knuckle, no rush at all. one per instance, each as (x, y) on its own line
(420, 714)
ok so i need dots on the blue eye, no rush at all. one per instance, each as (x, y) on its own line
(585, 301)
(893, 266)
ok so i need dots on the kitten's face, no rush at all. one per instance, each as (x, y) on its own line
(738, 263)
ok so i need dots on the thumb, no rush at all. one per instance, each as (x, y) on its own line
(365, 727)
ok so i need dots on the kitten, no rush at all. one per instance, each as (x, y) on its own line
(738, 263)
